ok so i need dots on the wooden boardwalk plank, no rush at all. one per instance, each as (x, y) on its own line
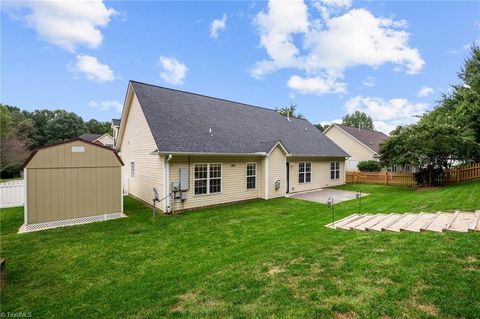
(462, 222)
(387, 221)
(402, 222)
(420, 222)
(377, 219)
(441, 222)
(359, 221)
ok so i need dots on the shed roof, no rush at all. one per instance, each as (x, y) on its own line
(37, 149)
(189, 122)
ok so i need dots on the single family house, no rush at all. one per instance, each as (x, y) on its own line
(362, 145)
(197, 150)
(100, 139)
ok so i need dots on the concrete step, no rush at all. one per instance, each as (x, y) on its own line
(384, 223)
(440, 223)
(475, 222)
(422, 220)
(462, 222)
(378, 218)
(402, 222)
(357, 222)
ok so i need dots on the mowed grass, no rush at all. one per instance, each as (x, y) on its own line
(257, 259)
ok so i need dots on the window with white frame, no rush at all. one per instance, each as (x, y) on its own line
(352, 164)
(132, 169)
(304, 172)
(207, 178)
(334, 170)
(251, 175)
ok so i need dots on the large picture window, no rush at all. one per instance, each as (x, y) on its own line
(207, 178)
(304, 172)
(334, 170)
(251, 175)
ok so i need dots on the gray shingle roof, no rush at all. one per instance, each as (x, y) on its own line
(193, 123)
(90, 137)
(371, 139)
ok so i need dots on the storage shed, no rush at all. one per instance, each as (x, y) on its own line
(71, 183)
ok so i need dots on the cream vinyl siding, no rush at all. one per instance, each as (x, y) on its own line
(137, 146)
(276, 170)
(320, 173)
(357, 151)
(234, 180)
(105, 140)
(62, 184)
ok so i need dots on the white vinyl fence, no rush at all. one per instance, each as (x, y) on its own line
(12, 194)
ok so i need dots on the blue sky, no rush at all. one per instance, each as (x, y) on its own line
(390, 59)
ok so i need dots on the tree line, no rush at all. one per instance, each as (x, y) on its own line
(21, 131)
(446, 136)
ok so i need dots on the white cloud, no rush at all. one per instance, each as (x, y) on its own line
(67, 24)
(106, 105)
(331, 45)
(387, 114)
(369, 81)
(172, 70)
(276, 30)
(218, 25)
(316, 85)
(92, 69)
(425, 91)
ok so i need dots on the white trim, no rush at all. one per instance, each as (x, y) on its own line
(247, 176)
(266, 177)
(260, 154)
(25, 200)
(208, 179)
(304, 172)
(364, 145)
(335, 170)
(69, 222)
(282, 147)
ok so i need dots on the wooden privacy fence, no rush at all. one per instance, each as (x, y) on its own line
(462, 173)
(12, 194)
(384, 178)
(455, 175)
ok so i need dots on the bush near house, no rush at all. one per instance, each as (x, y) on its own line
(369, 166)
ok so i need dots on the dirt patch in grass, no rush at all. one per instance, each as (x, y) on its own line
(429, 309)
(426, 189)
(273, 270)
(471, 259)
(348, 315)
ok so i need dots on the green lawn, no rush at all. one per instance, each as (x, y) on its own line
(258, 259)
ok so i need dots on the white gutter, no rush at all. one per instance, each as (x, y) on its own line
(157, 152)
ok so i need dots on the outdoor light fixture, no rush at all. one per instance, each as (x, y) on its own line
(359, 197)
(330, 204)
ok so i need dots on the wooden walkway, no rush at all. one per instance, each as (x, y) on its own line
(438, 222)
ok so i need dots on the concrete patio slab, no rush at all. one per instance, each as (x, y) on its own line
(321, 195)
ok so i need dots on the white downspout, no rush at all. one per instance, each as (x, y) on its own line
(167, 184)
(266, 177)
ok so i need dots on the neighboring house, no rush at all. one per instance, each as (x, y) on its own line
(115, 127)
(209, 151)
(361, 144)
(100, 139)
